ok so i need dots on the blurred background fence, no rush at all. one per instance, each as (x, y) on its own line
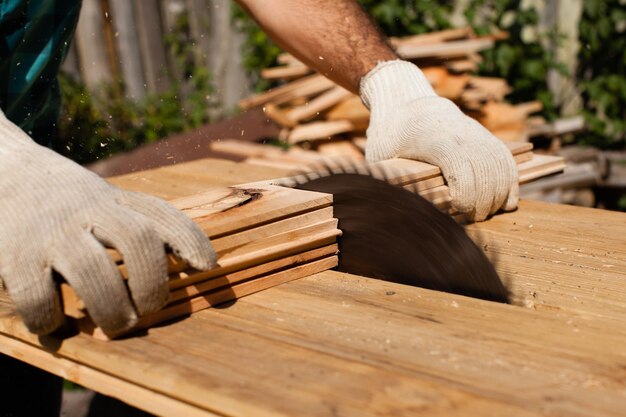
(147, 46)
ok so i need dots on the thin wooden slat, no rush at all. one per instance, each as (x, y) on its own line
(319, 130)
(540, 166)
(277, 203)
(221, 296)
(252, 254)
(343, 148)
(285, 72)
(268, 246)
(239, 290)
(186, 285)
(197, 288)
(306, 86)
(445, 50)
(433, 37)
(277, 115)
(315, 106)
(234, 240)
(352, 110)
(461, 65)
(242, 148)
(523, 157)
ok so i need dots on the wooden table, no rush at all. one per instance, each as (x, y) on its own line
(336, 344)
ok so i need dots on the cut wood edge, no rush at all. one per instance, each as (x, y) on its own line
(217, 297)
(254, 272)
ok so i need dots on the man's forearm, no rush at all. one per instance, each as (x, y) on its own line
(336, 37)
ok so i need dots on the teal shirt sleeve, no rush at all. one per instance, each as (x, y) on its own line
(34, 38)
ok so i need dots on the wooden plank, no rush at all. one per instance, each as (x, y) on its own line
(268, 249)
(219, 296)
(277, 115)
(264, 355)
(254, 253)
(238, 290)
(523, 157)
(461, 65)
(343, 148)
(278, 203)
(445, 50)
(433, 37)
(281, 226)
(560, 259)
(244, 148)
(353, 110)
(319, 104)
(285, 72)
(545, 347)
(319, 130)
(196, 379)
(186, 287)
(540, 166)
(307, 86)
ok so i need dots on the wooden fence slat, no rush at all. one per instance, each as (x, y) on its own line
(91, 46)
(152, 49)
(127, 43)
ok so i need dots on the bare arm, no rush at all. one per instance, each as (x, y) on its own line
(336, 37)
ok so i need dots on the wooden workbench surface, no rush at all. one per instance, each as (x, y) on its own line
(336, 344)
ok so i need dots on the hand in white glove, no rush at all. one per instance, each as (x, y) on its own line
(409, 120)
(58, 216)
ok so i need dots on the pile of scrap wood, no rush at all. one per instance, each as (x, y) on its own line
(315, 113)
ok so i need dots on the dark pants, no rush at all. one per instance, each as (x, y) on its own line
(28, 391)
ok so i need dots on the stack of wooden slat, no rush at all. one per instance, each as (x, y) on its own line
(419, 177)
(263, 237)
(318, 114)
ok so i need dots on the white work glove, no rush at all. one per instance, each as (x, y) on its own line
(56, 215)
(409, 120)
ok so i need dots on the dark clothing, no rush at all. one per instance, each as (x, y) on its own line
(34, 38)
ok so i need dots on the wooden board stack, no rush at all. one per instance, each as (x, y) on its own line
(419, 177)
(263, 237)
(266, 233)
(318, 114)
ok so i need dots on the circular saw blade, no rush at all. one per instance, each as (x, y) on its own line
(392, 234)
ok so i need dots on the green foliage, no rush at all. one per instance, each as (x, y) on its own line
(399, 18)
(96, 126)
(259, 51)
(522, 58)
(524, 63)
(602, 72)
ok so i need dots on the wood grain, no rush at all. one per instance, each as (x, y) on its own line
(344, 345)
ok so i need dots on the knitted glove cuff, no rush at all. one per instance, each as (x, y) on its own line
(394, 82)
